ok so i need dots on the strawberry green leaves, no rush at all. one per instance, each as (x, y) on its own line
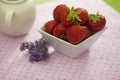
(94, 17)
(72, 14)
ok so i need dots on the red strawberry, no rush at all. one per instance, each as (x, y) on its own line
(64, 19)
(96, 22)
(69, 17)
(75, 34)
(49, 26)
(83, 15)
(58, 11)
(59, 30)
(87, 31)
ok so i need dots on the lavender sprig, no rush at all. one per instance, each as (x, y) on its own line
(38, 50)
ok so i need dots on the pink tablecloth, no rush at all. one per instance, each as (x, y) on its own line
(101, 62)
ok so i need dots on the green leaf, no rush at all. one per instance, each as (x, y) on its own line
(78, 12)
(73, 15)
(72, 9)
(63, 37)
(68, 9)
(76, 23)
(94, 17)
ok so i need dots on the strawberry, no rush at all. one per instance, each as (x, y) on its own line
(87, 31)
(49, 26)
(58, 11)
(83, 15)
(69, 17)
(59, 30)
(96, 22)
(75, 34)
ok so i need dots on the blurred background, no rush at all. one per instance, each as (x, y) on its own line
(42, 1)
(115, 4)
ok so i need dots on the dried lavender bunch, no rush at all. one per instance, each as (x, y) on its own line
(38, 50)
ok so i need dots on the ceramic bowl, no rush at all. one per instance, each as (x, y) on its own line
(67, 48)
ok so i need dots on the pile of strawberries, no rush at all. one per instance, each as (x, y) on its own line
(74, 25)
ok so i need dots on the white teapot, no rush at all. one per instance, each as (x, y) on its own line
(16, 16)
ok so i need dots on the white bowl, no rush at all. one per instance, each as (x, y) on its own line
(67, 48)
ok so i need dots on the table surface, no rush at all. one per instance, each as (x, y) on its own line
(101, 62)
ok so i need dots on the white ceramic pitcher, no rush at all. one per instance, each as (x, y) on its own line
(16, 16)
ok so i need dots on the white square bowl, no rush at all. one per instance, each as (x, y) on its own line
(67, 48)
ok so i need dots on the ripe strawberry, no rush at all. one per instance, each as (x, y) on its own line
(87, 31)
(83, 15)
(59, 30)
(69, 17)
(75, 34)
(64, 19)
(49, 26)
(58, 11)
(96, 22)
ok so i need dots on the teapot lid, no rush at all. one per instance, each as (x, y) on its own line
(13, 1)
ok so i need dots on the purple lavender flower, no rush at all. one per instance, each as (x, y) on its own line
(38, 50)
(24, 45)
